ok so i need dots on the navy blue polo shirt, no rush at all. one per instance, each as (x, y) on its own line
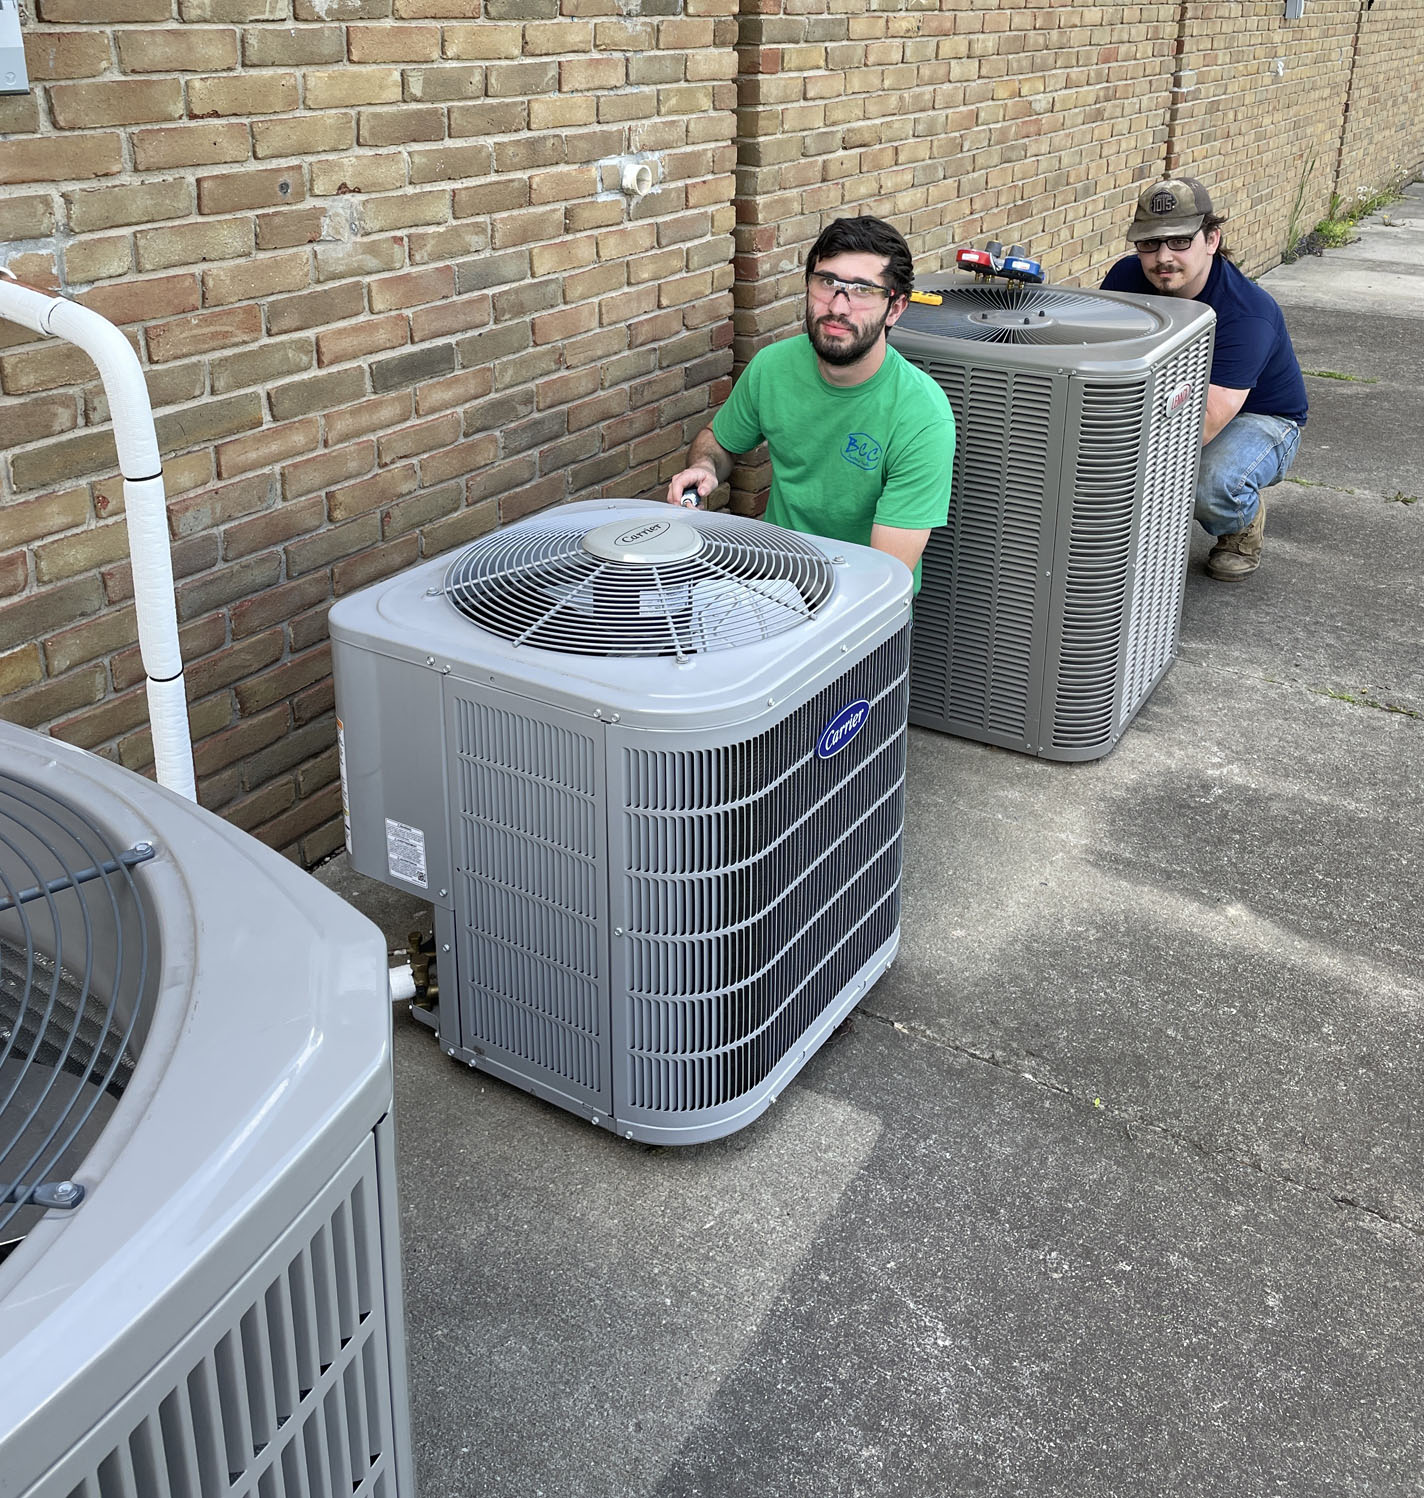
(1253, 350)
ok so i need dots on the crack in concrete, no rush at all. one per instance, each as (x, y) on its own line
(1214, 1155)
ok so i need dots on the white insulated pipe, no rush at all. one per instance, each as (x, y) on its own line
(145, 512)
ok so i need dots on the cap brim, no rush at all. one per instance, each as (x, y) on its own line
(1165, 228)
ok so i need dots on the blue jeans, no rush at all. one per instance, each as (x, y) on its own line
(1248, 454)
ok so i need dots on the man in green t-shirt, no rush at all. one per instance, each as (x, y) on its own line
(861, 442)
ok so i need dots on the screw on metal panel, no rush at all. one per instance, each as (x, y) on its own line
(449, 1050)
(143, 847)
(429, 660)
(618, 931)
(594, 1119)
(838, 561)
(771, 701)
(432, 592)
(613, 717)
(444, 670)
(446, 947)
(65, 1191)
(443, 893)
(629, 1134)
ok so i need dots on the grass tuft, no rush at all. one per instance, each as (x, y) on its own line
(1335, 374)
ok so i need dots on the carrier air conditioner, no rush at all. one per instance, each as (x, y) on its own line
(1051, 602)
(648, 767)
(199, 1266)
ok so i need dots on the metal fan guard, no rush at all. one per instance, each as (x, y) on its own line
(1045, 315)
(539, 584)
(75, 961)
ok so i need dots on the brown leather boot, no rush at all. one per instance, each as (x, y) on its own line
(1238, 555)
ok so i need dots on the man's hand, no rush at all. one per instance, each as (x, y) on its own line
(703, 480)
(708, 463)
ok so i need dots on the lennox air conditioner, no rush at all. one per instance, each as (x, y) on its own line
(199, 1269)
(1051, 603)
(648, 767)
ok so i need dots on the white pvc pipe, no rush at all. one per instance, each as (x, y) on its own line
(145, 512)
(402, 983)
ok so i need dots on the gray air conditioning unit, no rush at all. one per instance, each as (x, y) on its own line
(1051, 602)
(648, 766)
(199, 1269)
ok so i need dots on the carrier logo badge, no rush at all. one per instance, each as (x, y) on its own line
(646, 532)
(842, 728)
(862, 449)
(1179, 397)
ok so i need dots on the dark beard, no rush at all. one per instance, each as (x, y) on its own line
(841, 354)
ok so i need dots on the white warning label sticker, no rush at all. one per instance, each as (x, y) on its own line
(405, 853)
(341, 764)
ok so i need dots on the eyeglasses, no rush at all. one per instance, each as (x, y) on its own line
(1177, 244)
(860, 293)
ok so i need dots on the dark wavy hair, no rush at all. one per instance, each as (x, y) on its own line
(1216, 221)
(868, 236)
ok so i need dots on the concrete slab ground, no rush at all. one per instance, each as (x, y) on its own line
(1382, 271)
(1111, 1187)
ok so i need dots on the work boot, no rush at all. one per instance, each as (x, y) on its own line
(1239, 554)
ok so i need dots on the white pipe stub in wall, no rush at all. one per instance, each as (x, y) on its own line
(635, 178)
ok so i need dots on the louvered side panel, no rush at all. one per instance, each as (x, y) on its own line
(933, 632)
(527, 835)
(760, 879)
(979, 617)
(1030, 468)
(284, 1389)
(1164, 532)
(1087, 634)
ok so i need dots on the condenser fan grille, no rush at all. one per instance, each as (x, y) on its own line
(75, 961)
(640, 586)
(1046, 315)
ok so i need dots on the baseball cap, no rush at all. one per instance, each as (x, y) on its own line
(1165, 209)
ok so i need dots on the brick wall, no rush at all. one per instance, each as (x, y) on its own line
(1261, 107)
(1382, 140)
(1027, 124)
(375, 260)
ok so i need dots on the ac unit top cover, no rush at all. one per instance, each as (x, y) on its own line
(270, 1046)
(634, 607)
(1100, 334)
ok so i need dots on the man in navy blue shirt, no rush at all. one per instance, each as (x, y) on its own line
(1255, 404)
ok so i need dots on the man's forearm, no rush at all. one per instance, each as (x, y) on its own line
(905, 546)
(707, 452)
(1222, 403)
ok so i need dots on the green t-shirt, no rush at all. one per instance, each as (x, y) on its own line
(844, 458)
